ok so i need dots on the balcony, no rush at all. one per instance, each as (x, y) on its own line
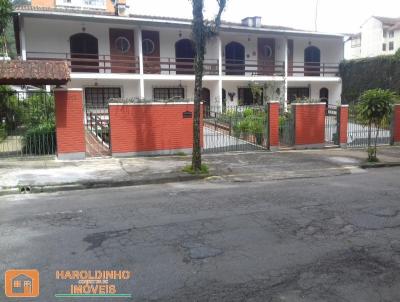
(94, 63)
(253, 68)
(175, 66)
(313, 69)
(91, 62)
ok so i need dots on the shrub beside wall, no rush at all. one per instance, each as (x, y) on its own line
(369, 73)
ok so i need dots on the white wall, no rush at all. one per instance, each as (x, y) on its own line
(371, 38)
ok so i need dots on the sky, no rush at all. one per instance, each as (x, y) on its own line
(334, 16)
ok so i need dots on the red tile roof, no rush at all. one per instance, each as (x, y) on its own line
(34, 72)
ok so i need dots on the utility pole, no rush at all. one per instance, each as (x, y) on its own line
(316, 16)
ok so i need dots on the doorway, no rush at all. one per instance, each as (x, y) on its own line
(184, 54)
(312, 61)
(234, 59)
(84, 53)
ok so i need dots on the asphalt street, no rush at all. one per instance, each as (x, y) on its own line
(316, 239)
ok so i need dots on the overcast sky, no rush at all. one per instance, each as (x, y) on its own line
(336, 16)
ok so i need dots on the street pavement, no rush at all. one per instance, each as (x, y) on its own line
(334, 238)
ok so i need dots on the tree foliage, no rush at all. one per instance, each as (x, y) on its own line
(202, 31)
(369, 73)
(375, 110)
(5, 18)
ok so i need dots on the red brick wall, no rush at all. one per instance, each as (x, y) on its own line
(273, 112)
(396, 126)
(344, 121)
(69, 121)
(150, 127)
(309, 124)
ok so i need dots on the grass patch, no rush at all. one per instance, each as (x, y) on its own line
(189, 169)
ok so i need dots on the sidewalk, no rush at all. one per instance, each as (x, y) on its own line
(47, 175)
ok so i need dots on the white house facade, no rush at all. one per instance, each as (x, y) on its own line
(114, 54)
(378, 36)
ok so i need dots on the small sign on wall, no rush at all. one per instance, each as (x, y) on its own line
(187, 114)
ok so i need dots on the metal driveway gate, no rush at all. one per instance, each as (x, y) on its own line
(236, 129)
(357, 133)
(286, 128)
(27, 123)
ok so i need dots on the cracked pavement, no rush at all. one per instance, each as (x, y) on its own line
(328, 239)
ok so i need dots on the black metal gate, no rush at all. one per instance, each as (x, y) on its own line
(27, 123)
(331, 125)
(357, 133)
(286, 129)
(235, 129)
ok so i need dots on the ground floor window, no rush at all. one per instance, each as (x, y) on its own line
(168, 93)
(298, 93)
(100, 96)
(246, 98)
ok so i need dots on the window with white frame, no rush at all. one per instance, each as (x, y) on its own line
(96, 4)
(391, 34)
(384, 47)
(391, 45)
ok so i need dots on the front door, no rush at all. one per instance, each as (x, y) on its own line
(266, 56)
(122, 51)
(151, 51)
(234, 59)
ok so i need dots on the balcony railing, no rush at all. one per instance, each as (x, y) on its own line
(162, 65)
(253, 68)
(183, 66)
(313, 69)
(80, 62)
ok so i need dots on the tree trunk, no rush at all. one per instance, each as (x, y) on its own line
(198, 34)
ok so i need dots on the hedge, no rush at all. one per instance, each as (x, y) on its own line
(369, 73)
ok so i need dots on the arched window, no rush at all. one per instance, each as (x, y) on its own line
(234, 59)
(184, 54)
(84, 53)
(324, 95)
(312, 61)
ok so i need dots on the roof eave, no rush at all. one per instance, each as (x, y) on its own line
(172, 23)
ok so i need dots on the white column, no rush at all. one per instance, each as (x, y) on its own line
(219, 43)
(22, 38)
(141, 63)
(286, 76)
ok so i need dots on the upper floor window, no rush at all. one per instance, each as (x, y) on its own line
(384, 47)
(384, 33)
(391, 45)
(391, 34)
(98, 4)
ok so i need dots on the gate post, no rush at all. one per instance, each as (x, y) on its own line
(342, 124)
(273, 125)
(70, 129)
(395, 135)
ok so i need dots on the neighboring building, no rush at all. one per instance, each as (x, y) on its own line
(114, 54)
(378, 36)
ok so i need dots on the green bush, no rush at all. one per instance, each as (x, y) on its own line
(40, 140)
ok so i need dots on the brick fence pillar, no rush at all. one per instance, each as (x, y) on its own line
(273, 125)
(396, 125)
(309, 125)
(342, 124)
(70, 129)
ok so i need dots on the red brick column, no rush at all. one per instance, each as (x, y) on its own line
(273, 125)
(70, 129)
(151, 129)
(343, 122)
(396, 125)
(309, 123)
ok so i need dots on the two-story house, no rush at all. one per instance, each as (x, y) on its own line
(378, 36)
(112, 53)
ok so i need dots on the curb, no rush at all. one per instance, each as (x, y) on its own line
(379, 165)
(101, 184)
